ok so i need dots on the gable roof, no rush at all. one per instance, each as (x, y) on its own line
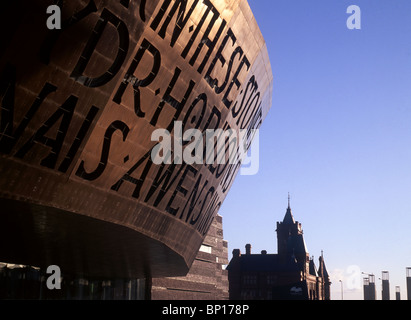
(265, 263)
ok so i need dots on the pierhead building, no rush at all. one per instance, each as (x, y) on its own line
(291, 274)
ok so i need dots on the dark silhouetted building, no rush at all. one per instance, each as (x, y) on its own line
(288, 275)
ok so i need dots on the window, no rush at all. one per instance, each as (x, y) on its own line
(248, 294)
(250, 279)
(205, 248)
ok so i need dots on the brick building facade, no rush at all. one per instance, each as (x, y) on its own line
(289, 275)
(207, 278)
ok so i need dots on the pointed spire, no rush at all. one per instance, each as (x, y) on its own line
(288, 218)
(289, 201)
(323, 269)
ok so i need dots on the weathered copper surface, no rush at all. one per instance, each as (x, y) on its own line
(78, 106)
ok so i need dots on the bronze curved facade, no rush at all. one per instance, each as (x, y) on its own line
(78, 187)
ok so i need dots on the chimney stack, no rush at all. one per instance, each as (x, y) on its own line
(248, 248)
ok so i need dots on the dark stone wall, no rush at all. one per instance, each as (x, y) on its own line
(207, 278)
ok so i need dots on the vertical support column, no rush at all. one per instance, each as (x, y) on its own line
(366, 289)
(408, 270)
(385, 286)
(397, 293)
(372, 287)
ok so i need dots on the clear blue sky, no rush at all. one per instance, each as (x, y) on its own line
(338, 138)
